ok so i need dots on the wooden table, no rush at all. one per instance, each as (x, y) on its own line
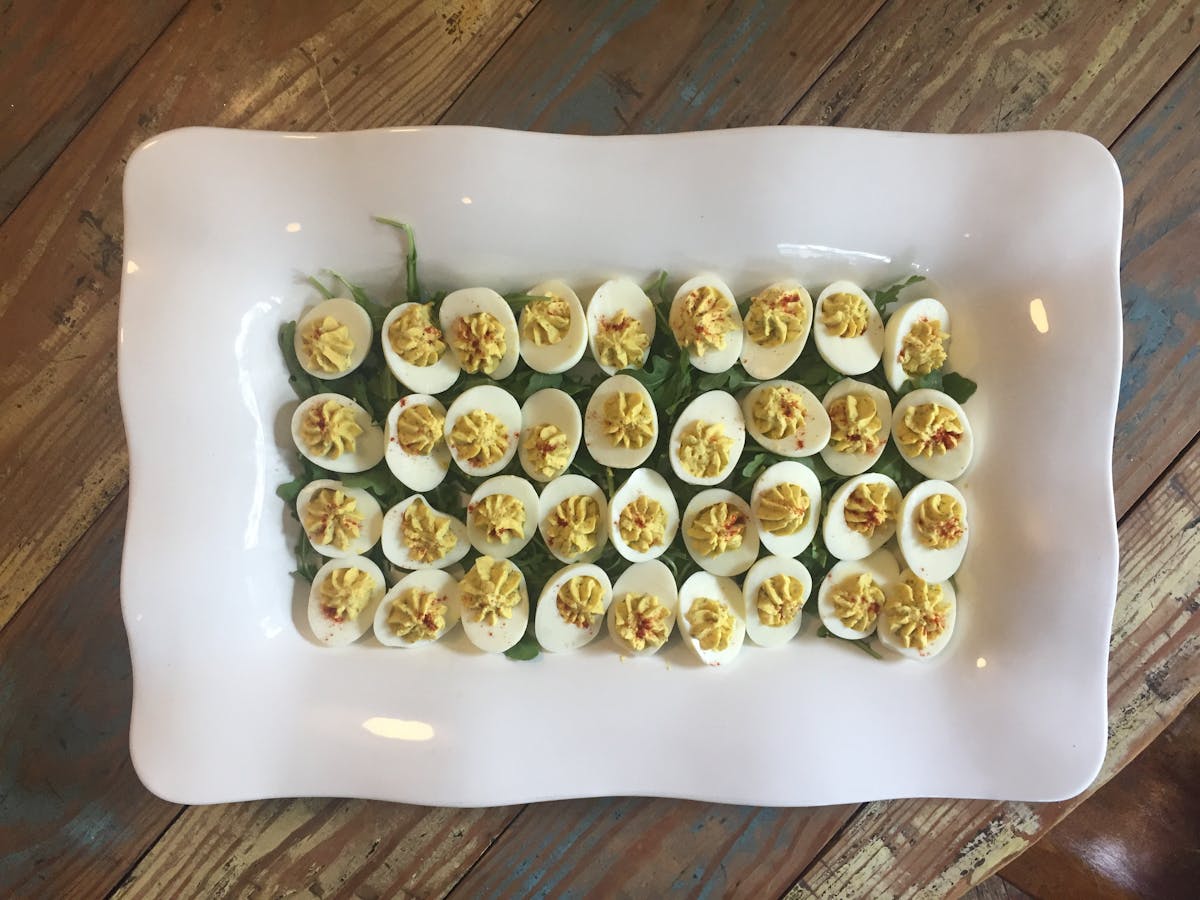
(81, 84)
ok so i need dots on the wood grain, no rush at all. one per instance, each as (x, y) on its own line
(59, 60)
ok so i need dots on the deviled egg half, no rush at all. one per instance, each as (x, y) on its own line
(777, 325)
(719, 532)
(645, 601)
(786, 418)
(419, 609)
(706, 323)
(914, 341)
(933, 530)
(933, 434)
(708, 438)
(481, 330)
(502, 516)
(711, 617)
(416, 442)
(786, 503)
(917, 620)
(852, 594)
(847, 329)
(337, 434)
(774, 591)
(860, 420)
(343, 598)
(417, 536)
(495, 604)
(571, 607)
(340, 521)
(573, 518)
(416, 351)
(861, 516)
(643, 516)
(332, 338)
(621, 325)
(554, 331)
(483, 426)
(620, 425)
(551, 429)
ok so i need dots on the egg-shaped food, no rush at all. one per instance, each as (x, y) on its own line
(860, 420)
(551, 429)
(343, 598)
(554, 331)
(933, 434)
(340, 521)
(861, 516)
(852, 594)
(914, 341)
(917, 619)
(786, 503)
(777, 325)
(645, 601)
(708, 438)
(706, 323)
(847, 328)
(933, 530)
(416, 350)
(643, 516)
(416, 442)
(620, 424)
(571, 607)
(502, 516)
(332, 338)
(495, 604)
(786, 418)
(621, 325)
(418, 610)
(481, 330)
(573, 518)
(774, 591)
(336, 434)
(711, 617)
(482, 429)
(719, 532)
(417, 536)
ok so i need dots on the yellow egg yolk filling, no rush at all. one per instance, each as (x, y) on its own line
(415, 338)
(854, 424)
(868, 507)
(702, 319)
(704, 449)
(641, 621)
(427, 535)
(628, 420)
(778, 412)
(923, 349)
(546, 449)
(491, 590)
(712, 623)
(844, 315)
(345, 592)
(621, 341)
(779, 600)
(783, 508)
(857, 601)
(332, 517)
(545, 322)
(939, 521)
(642, 524)
(419, 429)
(479, 438)
(579, 599)
(572, 526)
(328, 429)
(775, 317)
(501, 518)
(479, 341)
(928, 429)
(917, 611)
(718, 528)
(417, 615)
(327, 345)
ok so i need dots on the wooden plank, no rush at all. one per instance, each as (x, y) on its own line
(59, 60)
(292, 66)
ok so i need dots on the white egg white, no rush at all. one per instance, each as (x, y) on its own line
(884, 571)
(651, 577)
(555, 358)
(715, 587)
(840, 539)
(504, 633)
(643, 483)
(468, 302)
(368, 507)
(771, 362)
(608, 300)
(927, 563)
(416, 471)
(889, 639)
(731, 562)
(325, 629)
(553, 632)
(368, 446)
(898, 327)
(810, 438)
(550, 405)
(525, 494)
(599, 446)
(439, 582)
(397, 551)
(857, 463)
(419, 379)
(850, 356)
(356, 320)
(788, 472)
(499, 403)
(713, 360)
(768, 567)
(948, 466)
(713, 406)
(560, 489)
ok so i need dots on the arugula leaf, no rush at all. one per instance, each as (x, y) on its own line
(932, 380)
(526, 648)
(413, 285)
(959, 387)
(302, 383)
(379, 482)
(656, 288)
(862, 643)
(812, 371)
(734, 379)
(324, 291)
(290, 490)
(308, 561)
(377, 311)
(892, 464)
(885, 296)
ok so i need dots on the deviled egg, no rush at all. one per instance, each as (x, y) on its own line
(852, 594)
(621, 325)
(495, 604)
(708, 439)
(777, 326)
(332, 338)
(343, 598)
(917, 620)
(645, 601)
(786, 418)
(706, 323)
(786, 503)
(860, 419)
(914, 341)
(554, 331)
(416, 351)
(483, 426)
(416, 442)
(643, 516)
(711, 617)
(719, 532)
(340, 521)
(337, 434)
(933, 434)
(573, 518)
(551, 429)
(502, 516)
(775, 590)
(848, 330)
(417, 536)
(861, 516)
(419, 609)
(620, 425)
(571, 607)
(933, 530)
(481, 330)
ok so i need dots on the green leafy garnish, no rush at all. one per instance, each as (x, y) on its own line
(413, 285)
(526, 648)
(861, 643)
(885, 296)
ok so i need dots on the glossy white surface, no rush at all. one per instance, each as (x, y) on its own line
(232, 700)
